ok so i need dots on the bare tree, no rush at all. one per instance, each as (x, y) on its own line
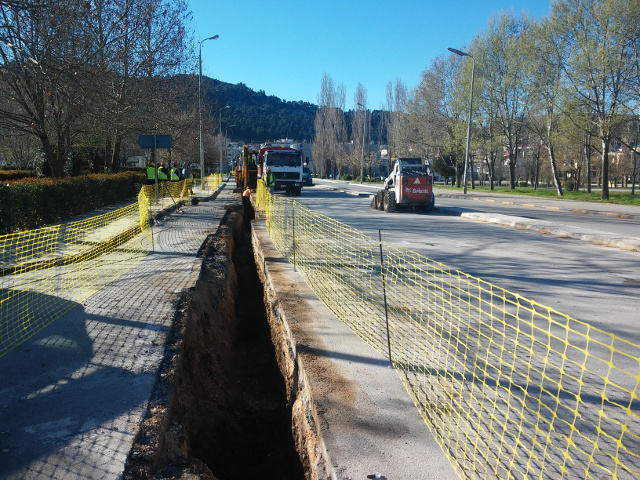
(74, 74)
(330, 127)
(360, 131)
(396, 104)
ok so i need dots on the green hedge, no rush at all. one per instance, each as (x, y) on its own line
(9, 174)
(34, 202)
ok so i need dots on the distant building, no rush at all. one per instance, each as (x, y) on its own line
(307, 154)
(136, 161)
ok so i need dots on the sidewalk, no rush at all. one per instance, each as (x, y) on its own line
(72, 397)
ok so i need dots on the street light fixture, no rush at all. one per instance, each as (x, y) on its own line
(226, 147)
(220, 127)
(200, 102)
(363, 134)
(473, 70)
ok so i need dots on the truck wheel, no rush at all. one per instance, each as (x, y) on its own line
(297, 191)
(430, 206)
(389, 201)
(380, 196)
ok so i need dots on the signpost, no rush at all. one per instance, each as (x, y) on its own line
(155, 141)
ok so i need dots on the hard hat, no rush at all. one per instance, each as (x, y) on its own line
(163, 164)
(268, 169)
(151, 164)
(175, 164)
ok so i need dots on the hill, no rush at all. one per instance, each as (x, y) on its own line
(260, 117)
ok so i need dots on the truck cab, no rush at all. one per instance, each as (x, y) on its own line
(286, 165)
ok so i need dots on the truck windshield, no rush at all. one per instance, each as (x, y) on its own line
(284, 160)
(415, 170)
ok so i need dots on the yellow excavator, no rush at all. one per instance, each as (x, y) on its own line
(247, 173)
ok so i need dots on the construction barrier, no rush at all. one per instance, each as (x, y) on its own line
(48, 271)
(212, 181)
(509, 387)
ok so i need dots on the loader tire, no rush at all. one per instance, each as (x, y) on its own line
(431, 205)
(374, 202)
(389, 201)
(380, 195)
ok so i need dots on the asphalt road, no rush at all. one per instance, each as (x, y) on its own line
(571, 213)
(595, 284)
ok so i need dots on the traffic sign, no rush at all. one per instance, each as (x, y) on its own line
(155, 141)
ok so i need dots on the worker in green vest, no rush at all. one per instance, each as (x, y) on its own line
(162, 172)
(271, 180)
(174, 173)
(151, 174)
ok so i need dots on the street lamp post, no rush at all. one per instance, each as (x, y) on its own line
(200, 102)
(220, 127)
(226, 147)
(323, 166)
(473, 70)
(363, 134)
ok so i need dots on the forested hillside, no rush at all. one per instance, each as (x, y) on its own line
(258, 117)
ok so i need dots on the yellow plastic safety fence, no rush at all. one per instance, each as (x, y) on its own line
(212, 182)
(509, 387)
(48, 271)
(168, 193)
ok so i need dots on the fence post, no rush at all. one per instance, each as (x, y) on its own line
(384, 294)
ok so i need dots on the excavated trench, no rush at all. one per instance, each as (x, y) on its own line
(220, 407)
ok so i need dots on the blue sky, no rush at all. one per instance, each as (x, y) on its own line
(285, 47)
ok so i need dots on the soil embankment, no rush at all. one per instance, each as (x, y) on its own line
(221, 407)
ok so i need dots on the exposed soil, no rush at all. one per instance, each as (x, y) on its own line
(219, 408)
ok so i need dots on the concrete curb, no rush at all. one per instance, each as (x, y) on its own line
(549, 228)
(541, 203)
(353, 404)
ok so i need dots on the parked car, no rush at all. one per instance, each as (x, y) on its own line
(306, 176)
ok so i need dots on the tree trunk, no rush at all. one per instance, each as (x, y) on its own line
(634, 156)
(587, 147)
(470, 172)
(605, 167)
(554, 170)
(512, 170)
(49, 154)
(492, 170)
(634, 171)
(115, 157)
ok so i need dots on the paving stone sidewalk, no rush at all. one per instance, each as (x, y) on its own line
(72, 397)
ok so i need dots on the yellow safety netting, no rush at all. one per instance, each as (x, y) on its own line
(48, 271)
(509, 387)
(212, 181)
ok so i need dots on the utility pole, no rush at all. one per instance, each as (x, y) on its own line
(200, 103)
